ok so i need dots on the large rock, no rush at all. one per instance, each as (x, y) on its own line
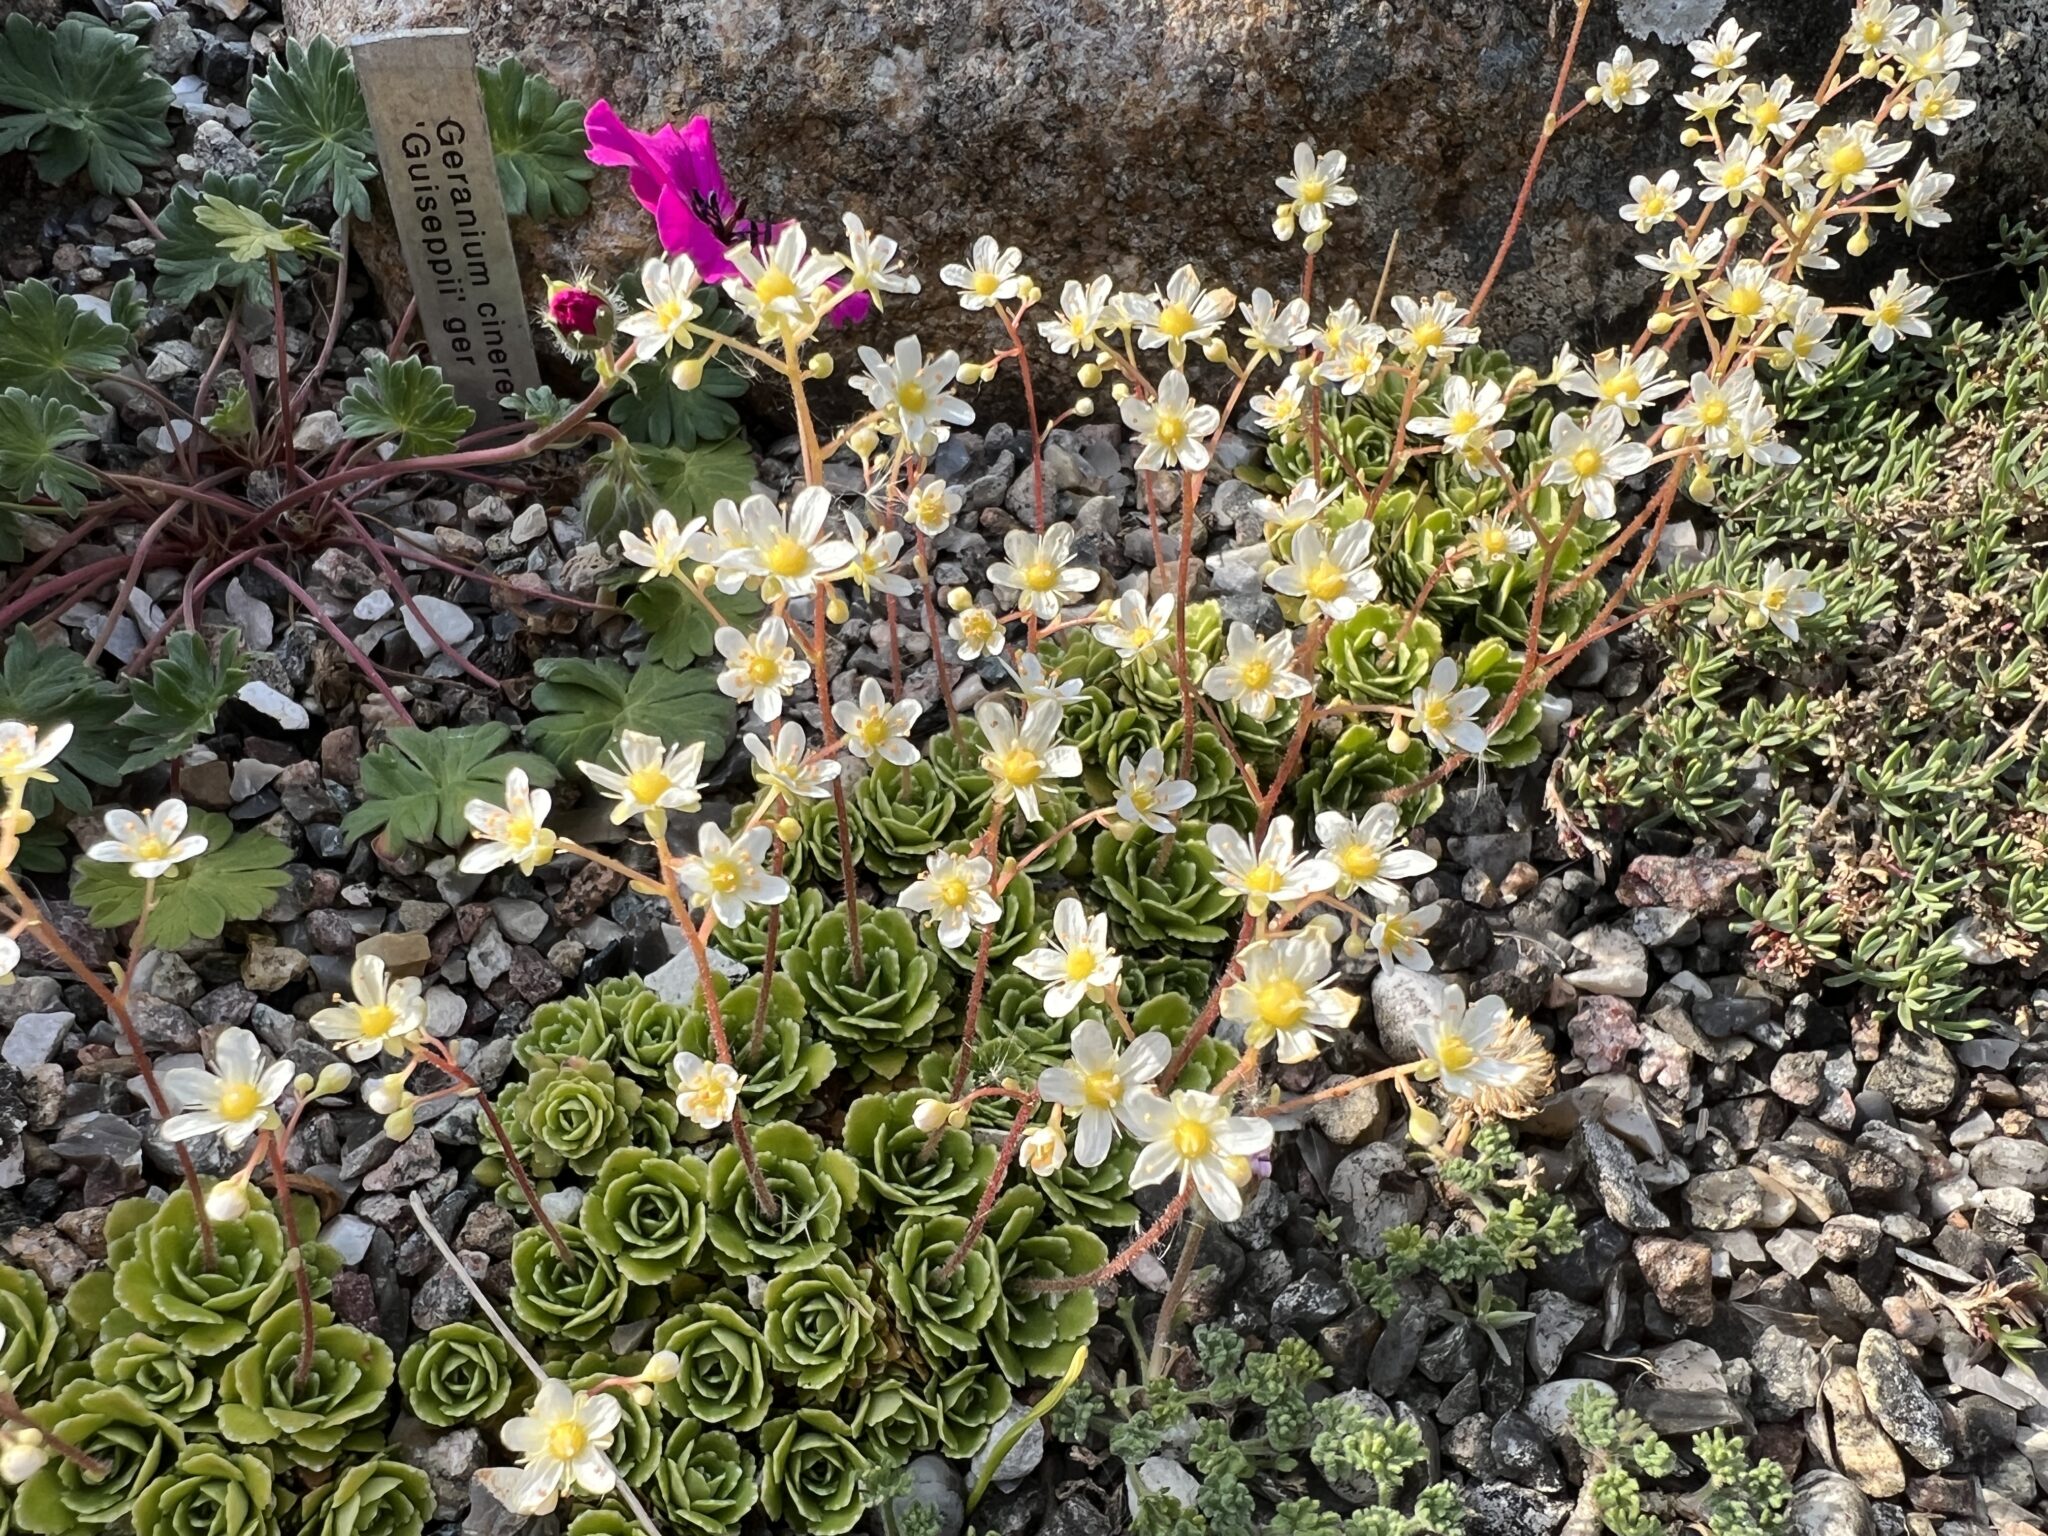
(1128, 139)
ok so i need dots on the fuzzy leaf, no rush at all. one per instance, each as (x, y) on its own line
(176, 704)
(33, 435)
(189, 257)
(416, 785)
(84, 98)
(50, 344)
(539, 142)
(584, 705)
(308, 114)
(235, 417)
(51, 685)
(407, 399)
(539, 405)
(245, 235)
(234, 881)
(679, 631)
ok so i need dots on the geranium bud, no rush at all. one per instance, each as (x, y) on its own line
(820, 365)
(1090, 375)
(575, 311)
(688, 374)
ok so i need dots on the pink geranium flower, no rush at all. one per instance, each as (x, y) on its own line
(675, 174)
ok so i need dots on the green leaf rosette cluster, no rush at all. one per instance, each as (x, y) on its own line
(338, 1405)
(648, 1212)
(815, 1188)
(1151, 904)
(878, 1020)
(907, 1172)
(773, 1049)
(459, 1373)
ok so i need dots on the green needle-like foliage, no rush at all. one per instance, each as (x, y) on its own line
(1035, 1334)
(131, 1440)
(705, 1482)
(811, 1472)
(211, 1492)
(648, 1213)
(458, 1374)
(815, 1189)
(903, 1171)
(724, 1376)
(820, 1329)
(787, 1068)
(370, 1498)
(880, 1019)
(158, 1374)
(36, 1341)
(338, 1406)
(1178, 905)
(949, 1315)
(578, 1300)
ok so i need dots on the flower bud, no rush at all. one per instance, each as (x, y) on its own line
(1689, 137)
(1216, 349)
(1119, 391)
(1424, 1128)
(334, 1078)
(1701, 487)
(967, 373)
(1859, 239)
(1593, 94)
(820, 365)
(959, 600)
(789, 829)
(1397, 738)
(302, 1085)
(1662, 322)
(399, 1126)
(836, 609)
(228, 1200)
(579, 316)
(688, 374)
(642, 1395)
(1738, 226)
(22, 1453)
(702, 575)
(864, 441)
(1044, 1148)
(1090, 375)
(1085, 406)
(663, 1365)
(931, 1115)
(1328, 924)
(1356, 947)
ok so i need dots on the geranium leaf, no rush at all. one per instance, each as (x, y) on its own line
(679, 629)
(539, 143)
(176, 704)
(245, 235)
(308, 114)
(584, 705)
(33, 435)
(406, 399)
(50, 344)
(51, 685)
(189, 257)
(83, 98)
(234, 881)
(416, 785)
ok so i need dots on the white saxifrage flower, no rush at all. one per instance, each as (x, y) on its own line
(664, 547)
(976, 633)
(1624, 80)
(151, 845)
(930, 506)
(706, 1091)
(990, 274)
(1628, 381)
(1172, 429)
(1099, 1080)
(1269, 327)
(1305, 501)
(650, 776)
(726, 873)
(1499, 536)
(1316, 187)
(1286, 994)
(761, 668)
(1588, 457)
(1020, 758)
(1368, 853)
(912, 395)
(1185, 313)
(1194, 1139)
(871, 262)
(1040, 569)
(1145, 795)
(1281, 409)
(387, 1013)
(233, 1101)
(874, 727)
(787, 766)
(1333, 578)
(1035, 685)
(1255, 674)
(782, 290)
(1397, 933)
(1651, 203)
(562, 1441)
(871, 566)
(1431, 328)
(1726, 52)
(1484, 1054)
(27, 752)
(1077, 962)
(1270, 872)
(788, 553)
(1469, 426)
(1785, 597)
(1077, 328)
(514, 833)
(1043, 1151)
(1134, 631)
(1896, 310)
(1447, 714)
(954, 894)
(666, 308)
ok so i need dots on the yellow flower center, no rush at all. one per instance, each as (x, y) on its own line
(1019, 766)
(238, 1101)
(1192, 1139)
(985, 284)
(1361, 861)
(1102, 1089)
(1847, 159)
(953, 890)
(1041, 576)
(1454, 1055)
(1141, 796)
(1080, 963)
(1891, 311)
(1734, 174)
(1327, 582)
(648, 785)
(1314, 189)
(1169, 429)
(1256, 673)
(762, 670)
(1653, 204)
(567, 1439)
(911, 395)
(722, 875)
(1771, 598)
(1713, 412)
(1264, 879)
(872, 730)
(1176, 321)
(1745, 303)
(1624, 387)
(775, 284)
(1463, 422)
(151, 846)
(787, 557)
(1764, 112)
(518, 829)
(1586, 462)
(976, 627)
(1436, 713)
(1280, 1003)
(668, 314)
(1427, 334)
(1493, 542)
(375, 1021)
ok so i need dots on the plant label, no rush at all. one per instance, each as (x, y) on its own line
(434, 145)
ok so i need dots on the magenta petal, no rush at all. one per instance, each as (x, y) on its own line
(849, 311)
(703, 174)
(613, 143)
(682, 233)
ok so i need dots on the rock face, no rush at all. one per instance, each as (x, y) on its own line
(1100, 136)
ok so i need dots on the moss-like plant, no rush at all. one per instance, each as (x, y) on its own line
(949, 1314)
(155, 1372)
(815, 1189)
(903, 1171)
(705, 1482)
(577, 1300)
(724, 1377)
(811, 1472)
(459, 1373)
(163, 1286)
(647, 1212)
(1177, 904)
(35, 1340)
(787, 1066)
(381, 1497)
(339, 1405)
(820, 1329)
(211, 1492)
(131, 1441)
(880, 1019)
(1036, 1333)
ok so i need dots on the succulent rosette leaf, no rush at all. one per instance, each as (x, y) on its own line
(815, 1187)
(1178, 904)
(811, 1471)
(158, 1374)
(705, 1482)
(339, 1405)
(567, 1026)
(577, 1300)
(34, 1339)
(163, 1285)
(903, 1171)
(1098, 1196)
(747, 940)
(899, 816)
(894, 1421)
(381, 1497)
(574, 1113)
(820, 1329)
(1353, 770)
(636, 1439)
(780, 1062)
(970, 1401)
(724, 1376)
(208, 1491)
(879, 1019)
(1035, 1333)
(1379, 655)
(649, 1030)
(130, 1440)
(648, 1213)
(458, 1374)
(947, 1311)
